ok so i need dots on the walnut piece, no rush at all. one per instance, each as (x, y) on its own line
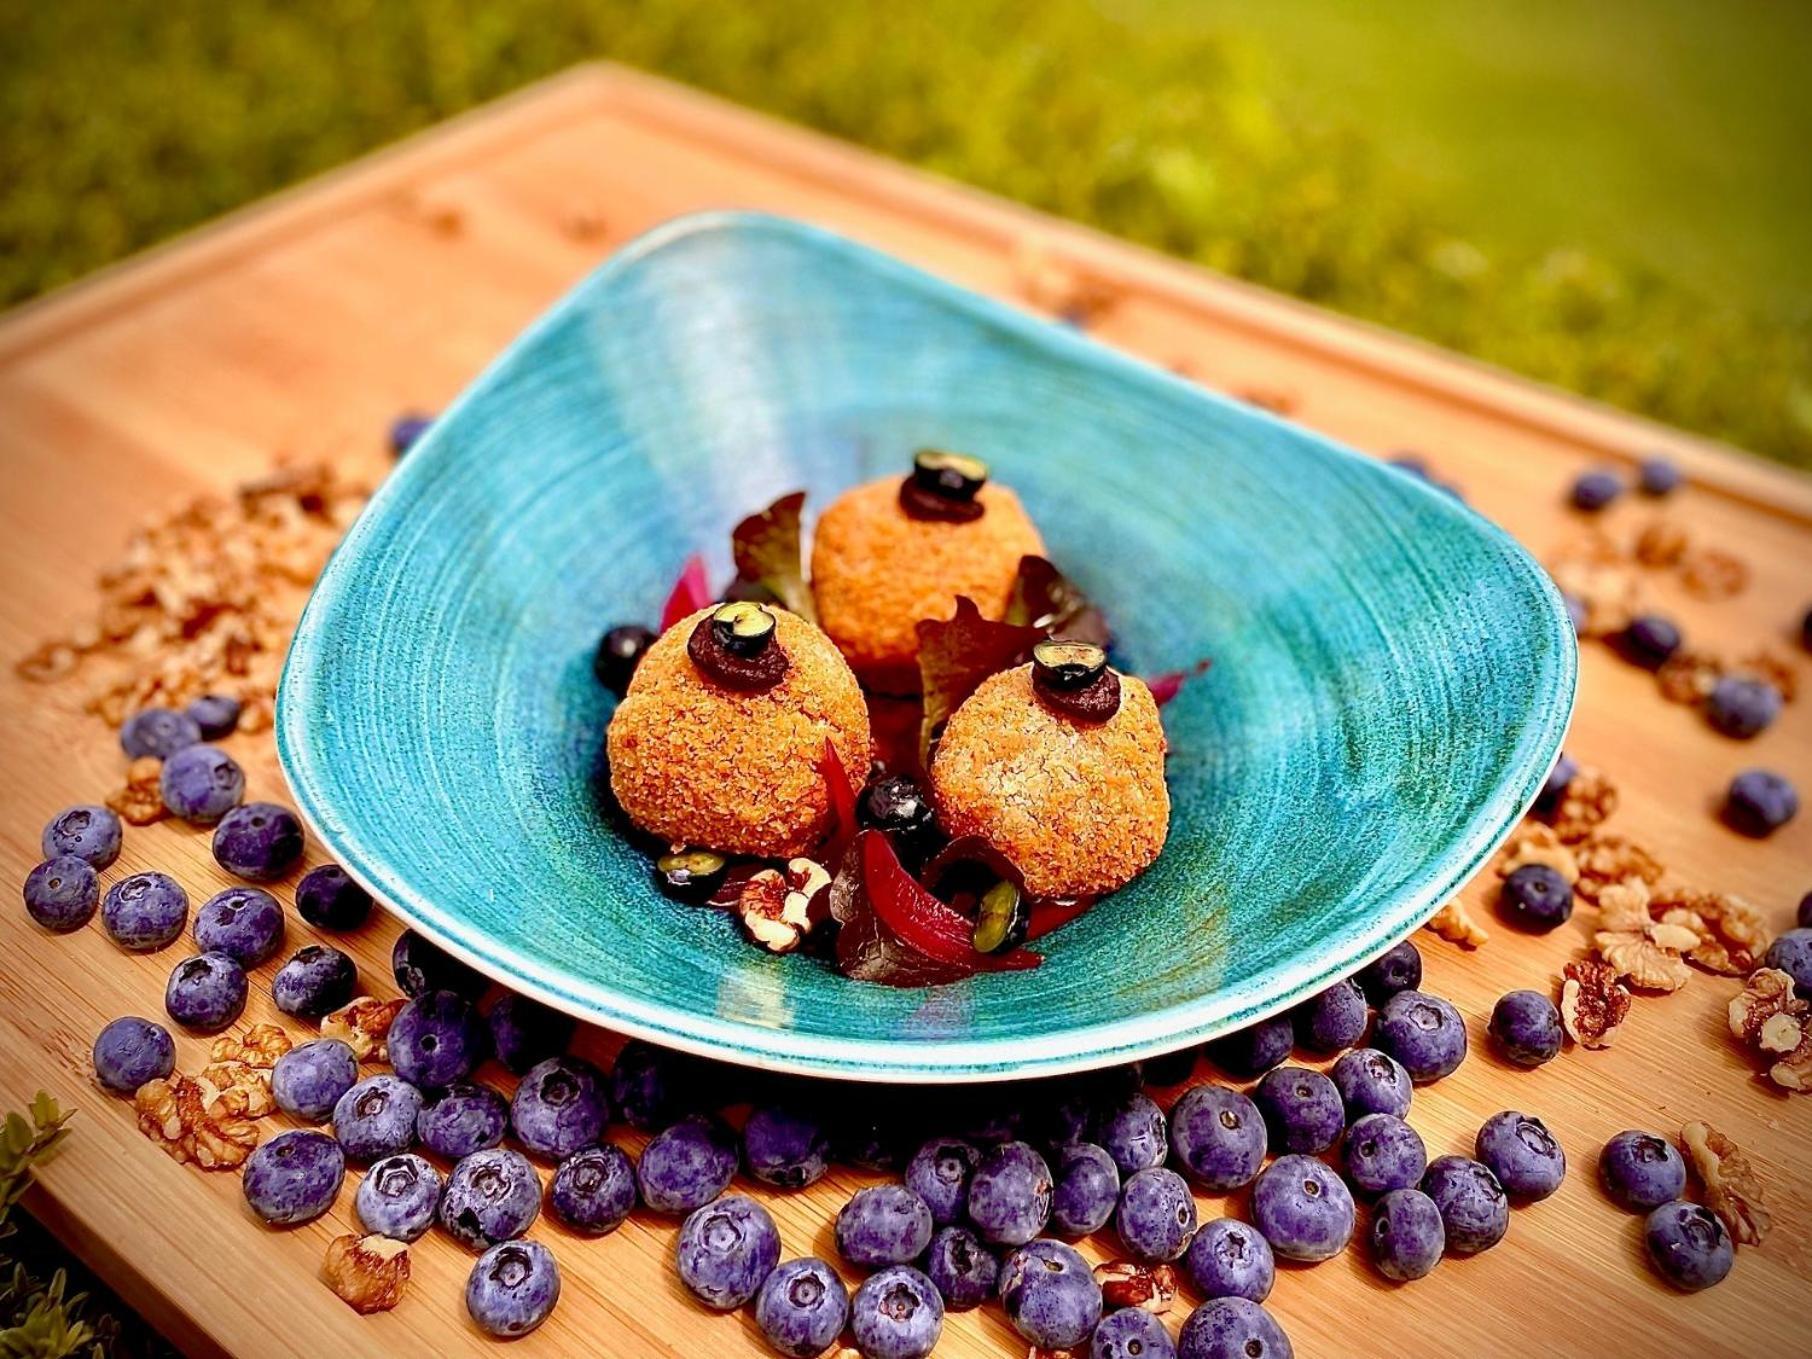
(1661, 542)
(775, 908)
(1732, 933)
(259, 1046)
(1794, 1071)
(1605, 586)
(1454, 923)
(1607, 859)
(1127, 1283)
(1772, 669)
(1590, 798)
(1535, 843)
(1768, 1015)
(193, 1122)
(1732, 1189)
(1648, 961)
(363, 1024)
(1593, 1003)
(141, 801)
(369, 1274)
(1689, 676)
(1712, 574)
(253, 1084)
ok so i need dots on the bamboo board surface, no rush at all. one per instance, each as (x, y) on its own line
(305, 324)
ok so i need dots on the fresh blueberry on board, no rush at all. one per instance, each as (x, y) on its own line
(1067, 1118)
(436, 1039)
(406, 429)
(1372, 1082)
(1658, 476)
(1576, 611)
(962, 1267)
(294, 1177)
(1156, 1218)
(524, 1031)
(896, 1314)
(61, 893)
(1302, 1109)
(647, 1085)
(1407, 1235)
(1170, 1068)
(1526, 1158)
(1805, 912)
(1334, 1020)
(1537, 898)
(1010, 1194)
(1555, 786)
(1255, 1049)
(376, 1118)
(200, 784)
(315, 981)
(145, 911)
(788, 1146)
(245, 923)
(1525, 1025)
(206, 993)
(1641, 1170)
(1232, 1328)
(885, 1224)
(562, 1104)
(1475, 1212)
(215, 715)
(1689, 1245)
(939, 1174)
(158, 732)
(1218, 1136)
(1050, 1295)
(1399, 968)
(1594, 490)
(259, 841)
(1649, 641)
(420, 966)
(1759, 803)
(1231, 1259)
(491, 1196)
(308, 1080)
(329, 899)
(131, 1051)
(1383, 1153)
(801, 1308)
(399, 1197)
(462, 1119)
(85, 831)
(1424, 1033)
(1303, 1208)
(1085, 1192)
(1133, 1132)
(1792, 954)
(687, 1165)
(1741, 707)
(513, 1288)
(593, 1190)
(1131, 1333)
(725, 1251)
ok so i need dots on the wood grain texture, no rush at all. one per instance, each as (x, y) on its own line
(305, 324)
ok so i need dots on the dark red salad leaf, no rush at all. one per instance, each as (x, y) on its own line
(1166, 686)
(767, 551)
(691, 592)
(842, 801)
(956, 654)
(1046, 599)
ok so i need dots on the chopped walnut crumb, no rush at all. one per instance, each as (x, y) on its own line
(1454, 923)
(141, 801)
(1593, 1003)
(1535, 843)
(1689, 676)
(363, 1024)
(194, 1122)
(1273, 399)
(1648, 959)
(1766, 666)
(368, 1273)
(1732, 933)
(1732, 1189)
(1590, 798)
(776, 909)
(1794, 1071)
(1127, 1283)
(260, 1046)
(1054, 285)
(1661, 542)
(1606, 588)
(1712, 574)
(1608, 859)
(1768, 1015)
(252, 1084)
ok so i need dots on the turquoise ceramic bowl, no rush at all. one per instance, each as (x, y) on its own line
(1391, 674)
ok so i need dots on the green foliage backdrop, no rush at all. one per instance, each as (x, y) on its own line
(125, 120)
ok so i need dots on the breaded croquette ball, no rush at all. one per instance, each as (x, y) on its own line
(719, 740)
(889, 553)
(1075, 798)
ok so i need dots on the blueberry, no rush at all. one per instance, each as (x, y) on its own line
(1649, 641)
(1537, 898)
(802, 1308)
(60, 893)
(1526, 1028)
(1133, 1132)
(896, 804)
(206, 993)
(726, 1250)
(1741, 707)
(1412, 464)
(398, 1197)
(405, 431)
(294, 1177)
(1131, 1333)
(1759, 803)
(896, 1314)
(1407, 1235)
(308, 1080)
(962, 1267)
(1641, 1170)
(420, 966)
(1659, 475)
(524, 1031)
(315, 981)
(1232, 1328)
(1594, 490)
(1423, 1032)
(562, 1104)
(886, 1224)
(1576, 611)
(1156, 1218)
(1523, 1154)
(1010, 1194)
(1170, 1068)
(1792, 954)
(1689, 1245)
(687, 1165)
(593, 1190)
(436, 1039)
(1255, 1049)
(145, 911)
(259, 841)
(1554, 787)
(619, 652)
(646, 1085)
(1086, 1190)
(512, 1288)
(1067, 1116)
(245, 923)
(1399, 969)
(1372, 1082)
(215, 715)
(1475, 1213)
(1383, 1153)
(491, 1196)
(85, 831)
(330, 900)
(1231, 1259)
(1050, 1294)
(1333, 1020)
(939, 1174)
(376, 1117)
(1301, 1108)
(131, 1051)
(201, 784)
(1218, 1136)
(786, 1146)
(158, 731)
(1804, 918)
(1303, 1208)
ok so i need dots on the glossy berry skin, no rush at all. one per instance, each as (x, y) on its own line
(1372, 1082)
(1424, 1033)
(87, 832)
(1742, 708)
(294, 1177)
(896, 804)
(1231, 1259)
(1526, 1158)
(1398, 969)
(1302, 1109)
(159, 732)
(131, 1051)
(308, 1080)
(406, 430)
(687, 1165)
(462, 1119)
(1537, 898)
(593, 1190)
(562, 1104)
(330, 900)
(1641, 1171)
(1475, 1211)
(1156, 1217)
(144, 912)
(1010, 1194)
(1255, 1049)
(963, 1268)
(939, 1174)
(259, 841)
(1407, 1235)
(1050, 1295)
(491, 1196)
(896, 1314)
(1383, 1153)
(1554, 787)
(1131, 1333)
(316, 980)
(726, 1249)
(200, 784)
(1135, 1133)
(1759, 803)
(245, 923)
(436, 1039)
(61, 893)
(420, 966)
(376, 1118)
(1218, 1137)
(1086, 1190)
(1594, 490)
(1232, 1328)
(512, 1288)
(524, 1031)
(1658, 476)
(1525, 1026)
(801, 1308)
(1649, 641)
(206, 993)
(886, 1224)
(215, 715)
(786, 1146)
(1334, 1020)
(1689, 1245)
(619, 652)
(399, 1197)
(1792, 954)
(1303, 1208)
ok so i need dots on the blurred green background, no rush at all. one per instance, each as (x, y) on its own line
(1613, 196)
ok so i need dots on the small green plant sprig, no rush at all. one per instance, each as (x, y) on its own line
(37, 1320)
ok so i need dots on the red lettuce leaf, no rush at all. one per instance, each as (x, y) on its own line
(767, 550)
(842, 801)
(956, 654)
(1169, 684)
(691, 592)
(1046, 599)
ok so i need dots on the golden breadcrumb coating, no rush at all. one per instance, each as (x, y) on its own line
(697, 763)
(1080, 809)
(876, 571)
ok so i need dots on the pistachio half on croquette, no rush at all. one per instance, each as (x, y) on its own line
(735, 644)
(944, 485)
(1074, 679)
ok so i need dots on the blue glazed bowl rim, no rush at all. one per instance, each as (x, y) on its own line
(1080, 1048)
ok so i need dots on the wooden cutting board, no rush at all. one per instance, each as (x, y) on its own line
(305, 323)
